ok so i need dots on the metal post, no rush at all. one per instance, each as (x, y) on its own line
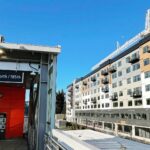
(42, 102)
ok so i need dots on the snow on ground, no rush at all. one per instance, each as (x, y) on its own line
(105, 141)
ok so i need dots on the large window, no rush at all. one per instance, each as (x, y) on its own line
(121, 104)
(147, 87)
(128, 80)
(119, 63)
(120, 83)
(128, 70)
(114, 75)
(147, 74)
(114, 85)
(107, 105)
(138, 102)
(136, 78)
(129, 103)
(146, 61)
(115, 104)
(128, 59)
(136, 66)
(119, 73)
(145, 49)
(129, 92)
(148, 101)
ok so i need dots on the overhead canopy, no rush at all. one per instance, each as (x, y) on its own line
(33, 48)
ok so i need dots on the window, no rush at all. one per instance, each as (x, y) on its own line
(98, 98)
(119, 63)
(128, 80)
(147, 87)
(114, 85)
(107, 96)
(115, 104)
(148, 101)
(98, 105)
(128, 70)
(120, 93)
(135, 55)
(136, 66)
(120, 83)
(102, 105)
(147, 74)
(114, 75)
(137, 89)
(121, 104)
(146, 61)
(129, 103)
(119, 73)
(145, 49)
(128, 59)
(138, 102)
(97, 74)
(102, 97)
(129, 92)
(107, 105)
(136, 78)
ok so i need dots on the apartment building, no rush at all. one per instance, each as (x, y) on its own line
(115, 96)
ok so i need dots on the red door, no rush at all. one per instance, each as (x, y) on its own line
(12, 101)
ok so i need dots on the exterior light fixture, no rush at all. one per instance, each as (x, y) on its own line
(32, 73)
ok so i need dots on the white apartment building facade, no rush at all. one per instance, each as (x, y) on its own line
(115, 96)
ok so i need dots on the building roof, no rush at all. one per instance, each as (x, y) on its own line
(31, 48)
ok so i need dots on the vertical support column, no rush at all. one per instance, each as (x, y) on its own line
(116, 129)
(133, 131)
(51, 98)
(42, 104)
(103, 125)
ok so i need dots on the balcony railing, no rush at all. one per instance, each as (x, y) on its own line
(93, 100)
(104, 72)
(105, 89)
(137, 94)
(85, 102)
(84, 83)
(105, 81)
(134, 59)
(112, 69)
(77, 86)
(52, 144)
(114, 97)
(93, 78)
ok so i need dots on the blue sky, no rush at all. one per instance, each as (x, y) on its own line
(87, 30)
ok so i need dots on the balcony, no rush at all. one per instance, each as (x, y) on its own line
(112, 69)
(77, 86)
(93, 100)
(105, 81)
(84, 83)
(134, 59)
(104, 72)
(137, 94)
(93, 78)
(105, 89)
(85, 102)
(114, 97)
